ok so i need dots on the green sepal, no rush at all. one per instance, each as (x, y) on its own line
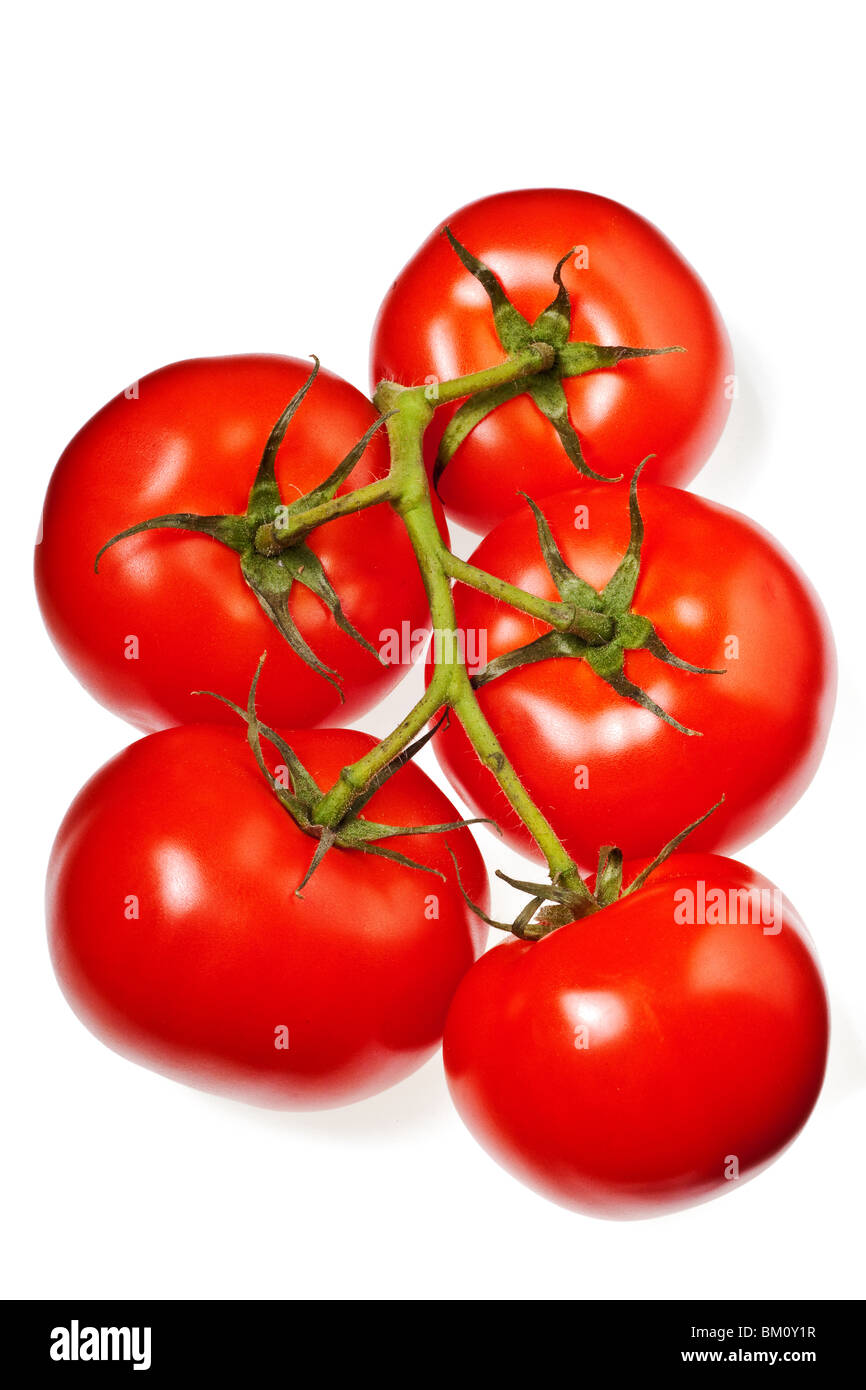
(295, 805)
(515, 333)
(570, 587)
(271, 576)
(264, 499)
(607, 663)
(326, 490)
(305, 785)
(668, 850)
(632, 631)
(513, 330)
(307, 569)
(580, 902)
(376, 831)
(548, 394)
(403, 859)
(618, 592)
(272, 582)
(370, 835)
(353, 832)
(327, 839)
(576, 359)
(659, 649)
(604, 651)
(557, 906)
(553, 323)
(608, 878)
(522, 927)
(229, 530)
(545, 648)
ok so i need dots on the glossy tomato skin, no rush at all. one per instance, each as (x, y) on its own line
(634, 1063)
(178, 940)
(722, 593)
(637, 291)
(190, 440)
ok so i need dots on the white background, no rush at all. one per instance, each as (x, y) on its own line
(205, 178)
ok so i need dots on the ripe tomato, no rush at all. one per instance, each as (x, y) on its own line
(169, 612)
(177, 937)
(722, 593)
(634, 290)
(647, 1057)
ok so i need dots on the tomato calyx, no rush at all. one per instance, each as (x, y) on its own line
(269, 538)
(553, 905)
(570, 358)
(353, 831)
(618, 629)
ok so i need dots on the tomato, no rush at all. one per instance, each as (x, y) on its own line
(722, 593)
(634, 289)
(652, 1055)
(169, 612)
(177, 937)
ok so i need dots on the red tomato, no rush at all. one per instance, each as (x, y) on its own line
(722, 593)
(636, 290)
(169, 612)
(178, 940)
(639, 1061)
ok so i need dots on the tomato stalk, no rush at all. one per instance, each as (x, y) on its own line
(402, 486)
(408, 412)
(273, 537)
(595, 628)
(585, 624)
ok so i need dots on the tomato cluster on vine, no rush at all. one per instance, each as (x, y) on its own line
(257, 901)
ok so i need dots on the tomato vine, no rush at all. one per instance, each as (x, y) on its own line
(407, 412)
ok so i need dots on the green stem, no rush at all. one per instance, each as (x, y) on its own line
(565, 617)
(411, 412)
(273, 537)
(538, 357)
(563, 869)
(357, 776)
